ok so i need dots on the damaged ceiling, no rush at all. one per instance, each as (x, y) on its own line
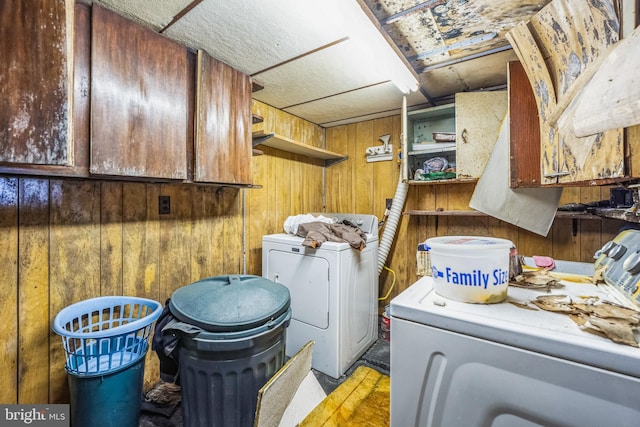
(312, 66)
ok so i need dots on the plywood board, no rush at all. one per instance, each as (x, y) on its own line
(276, 395)
(362, 399)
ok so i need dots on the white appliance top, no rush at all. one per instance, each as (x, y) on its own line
(296, 241)
(535, 330)
(367, 223)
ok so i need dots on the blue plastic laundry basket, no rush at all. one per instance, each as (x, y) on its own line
(106, 334)
(105, 340)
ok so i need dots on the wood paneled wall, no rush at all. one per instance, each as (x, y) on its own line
(291, 184)
(66, 240)
(63, 241)
(358, 186)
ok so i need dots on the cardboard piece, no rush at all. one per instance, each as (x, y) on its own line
(533, 209)
(290, 394)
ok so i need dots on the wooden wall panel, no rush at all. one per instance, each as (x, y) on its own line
(258, 210)
(175, 240)
(291, 184)
(231, 251)
(9, 295)
(362, 178)
(74, 260)
(75, 240)
(560, 243)
(207, 235)
(338, 177)
(141, 240)
(111, 239)
(33, 367)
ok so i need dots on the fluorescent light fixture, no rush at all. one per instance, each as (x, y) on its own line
(386, 58)
(382, 61)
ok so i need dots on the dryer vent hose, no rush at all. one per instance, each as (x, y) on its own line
(384, 245)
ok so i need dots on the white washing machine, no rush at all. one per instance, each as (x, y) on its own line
(334, 294)
(460, 364)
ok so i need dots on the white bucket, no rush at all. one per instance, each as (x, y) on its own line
(470, 268)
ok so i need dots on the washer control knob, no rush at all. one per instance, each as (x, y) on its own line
(607, 247)
(360, 221)
(617, 252)
(632, 263)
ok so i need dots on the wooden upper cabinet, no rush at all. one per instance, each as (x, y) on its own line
(35, 47)
(139, 100)
(557, 72)
(223, 144)
(524, 129)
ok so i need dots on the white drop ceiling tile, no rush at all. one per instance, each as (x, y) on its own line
(415, 99)
(331, 71)
(352, 105)
(362, 118)
(155, 14)
(254, 35)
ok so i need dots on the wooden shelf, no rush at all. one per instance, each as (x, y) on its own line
(285, 144)
(444, 181)
(559, 214)
(623, 214)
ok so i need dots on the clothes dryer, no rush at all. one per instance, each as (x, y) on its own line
(334, 293)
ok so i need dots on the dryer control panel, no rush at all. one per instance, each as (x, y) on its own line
(367, 223)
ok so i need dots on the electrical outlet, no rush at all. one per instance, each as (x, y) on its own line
(164, 205)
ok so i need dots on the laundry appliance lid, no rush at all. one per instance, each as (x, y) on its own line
(230, 303)
(509, 323)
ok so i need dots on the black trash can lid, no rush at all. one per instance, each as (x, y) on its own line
(230, 303)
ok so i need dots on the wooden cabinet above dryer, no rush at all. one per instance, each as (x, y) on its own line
(139, 100)
(556, 72)
(223, 142)
(36, 50)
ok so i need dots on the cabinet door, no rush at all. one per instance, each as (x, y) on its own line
(34, 82)
(479, 116)
(586, 159)
(557, 74)
(524, 129)
(139, 100)
(223, 145)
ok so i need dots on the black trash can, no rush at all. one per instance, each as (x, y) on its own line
(238, 343)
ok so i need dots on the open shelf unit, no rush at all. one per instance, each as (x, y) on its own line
(283, 143)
